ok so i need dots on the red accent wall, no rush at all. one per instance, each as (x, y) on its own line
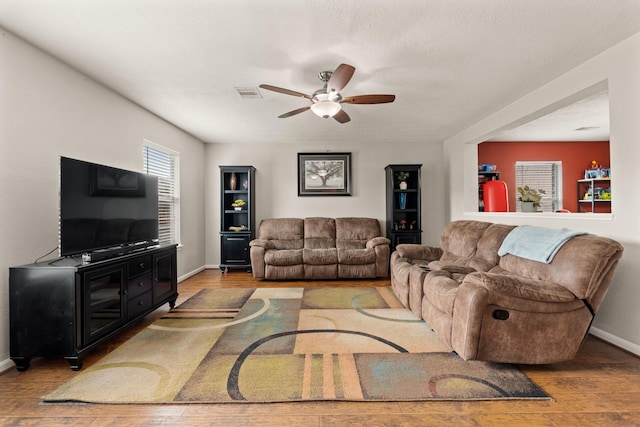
(575, 157)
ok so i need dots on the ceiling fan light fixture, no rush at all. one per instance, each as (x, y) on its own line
(327, 101)
(326, 109)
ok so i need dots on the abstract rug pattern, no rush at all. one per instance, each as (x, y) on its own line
(290, 344)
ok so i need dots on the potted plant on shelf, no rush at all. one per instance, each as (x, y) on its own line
(238, 204)
(402, 177)
(530, 198)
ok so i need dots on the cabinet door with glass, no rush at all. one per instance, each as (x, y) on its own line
(165, 277)
(104, 301)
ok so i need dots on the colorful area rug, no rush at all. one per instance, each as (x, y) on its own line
(290, 344)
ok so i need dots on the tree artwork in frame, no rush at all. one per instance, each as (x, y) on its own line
(324, 174)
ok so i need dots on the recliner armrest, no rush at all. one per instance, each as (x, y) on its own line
(377, 241)
(415, 251)
(457, 269)
(520, 287)
(267, 244)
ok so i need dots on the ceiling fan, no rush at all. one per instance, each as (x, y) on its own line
(326, 102)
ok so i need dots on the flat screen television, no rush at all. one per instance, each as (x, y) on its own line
(105, 207)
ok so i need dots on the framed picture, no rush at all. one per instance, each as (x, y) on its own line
(113, 182)
(324, 174)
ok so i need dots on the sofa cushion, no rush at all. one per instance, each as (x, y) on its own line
(284, 272)
(440, 288)
(353, 233)
(477, 249)
(460, 239)
(327, 271)
(359, 271)
(319, 233)
(283, 256)
(320, 256)
(486, 256)
(356, 256)
(284, 233)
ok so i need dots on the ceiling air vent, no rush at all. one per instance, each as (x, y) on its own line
(249, 92)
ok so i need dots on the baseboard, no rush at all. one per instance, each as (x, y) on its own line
(617, 341)
(5, 365)
(191, 273)
(212, 267)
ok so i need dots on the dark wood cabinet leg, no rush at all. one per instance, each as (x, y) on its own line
(75, 363)
(22, 363)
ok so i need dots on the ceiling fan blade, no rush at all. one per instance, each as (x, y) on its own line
(285, 91)
(369, 99)
(340, 77)
(294, 112)
(342, 117)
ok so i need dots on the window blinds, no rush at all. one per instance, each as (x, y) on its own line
(164, 165)
(541, 176)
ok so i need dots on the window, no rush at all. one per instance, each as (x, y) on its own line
(541, 175)
(165, 164)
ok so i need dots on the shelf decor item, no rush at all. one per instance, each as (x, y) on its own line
(403, 200)
(531, 195)
(600, 173)
(233, 181)
(402, 177)
(238, 204)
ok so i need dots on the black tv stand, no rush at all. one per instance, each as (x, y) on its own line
(66, 307)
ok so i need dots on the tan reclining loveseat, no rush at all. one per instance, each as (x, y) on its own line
(505, 308)
(319, 248)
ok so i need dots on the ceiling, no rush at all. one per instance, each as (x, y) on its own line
(449, 63)
(586, 119)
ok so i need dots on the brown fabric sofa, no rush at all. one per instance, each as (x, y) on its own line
(505, 309)
(319, 248)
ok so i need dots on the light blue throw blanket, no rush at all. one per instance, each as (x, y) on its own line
(536, 243)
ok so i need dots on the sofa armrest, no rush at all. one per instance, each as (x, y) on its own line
(267, 244)
(524, 288)
(415, 251)
(457, 269)
(377, 241)
(256, 253)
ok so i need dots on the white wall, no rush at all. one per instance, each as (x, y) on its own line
(618, 320)
(276, 183)
(48, 110)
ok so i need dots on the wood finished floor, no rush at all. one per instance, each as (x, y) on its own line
(601, 387)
